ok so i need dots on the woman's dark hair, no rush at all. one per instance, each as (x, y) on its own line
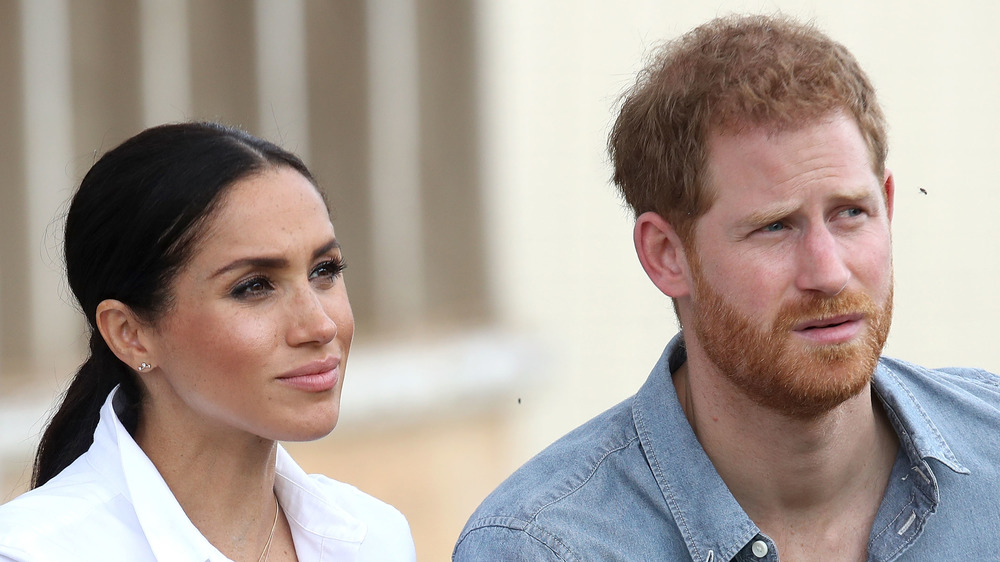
(132, 225)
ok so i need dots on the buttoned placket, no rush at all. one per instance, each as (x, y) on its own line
(912, 495)
(910, 499)
(759, 549)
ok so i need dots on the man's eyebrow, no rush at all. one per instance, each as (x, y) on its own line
(766, 216)
(775, 214)
(264, 262)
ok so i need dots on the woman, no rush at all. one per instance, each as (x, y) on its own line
(207, 267)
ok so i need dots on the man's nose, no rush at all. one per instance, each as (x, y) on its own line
(822, 263)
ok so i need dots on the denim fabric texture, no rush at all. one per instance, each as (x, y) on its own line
(635, 484)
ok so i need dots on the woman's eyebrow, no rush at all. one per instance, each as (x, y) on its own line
(266, 262)
(326, 248)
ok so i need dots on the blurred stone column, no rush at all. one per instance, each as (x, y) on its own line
(14, 310)
(282, 100)
(54, 327)
(166, 61)
(395, 167)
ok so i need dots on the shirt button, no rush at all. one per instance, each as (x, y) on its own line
(759, 549)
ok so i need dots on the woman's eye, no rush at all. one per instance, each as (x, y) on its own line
(328, 270)
(252, 288)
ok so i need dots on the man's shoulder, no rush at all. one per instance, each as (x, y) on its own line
(952, 414)
(581, 489)
(564, 466)
(948, 421)
(975, 387)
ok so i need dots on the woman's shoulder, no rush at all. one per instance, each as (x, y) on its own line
(318, 492)
(330, 508)
(60, 520)
(388, 534)
(356, 502)
(70, 496)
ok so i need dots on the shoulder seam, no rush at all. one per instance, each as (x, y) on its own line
(982, 376)
(530, 529)
(583, 482)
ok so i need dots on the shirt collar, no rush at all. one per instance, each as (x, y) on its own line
(321, 530)
(918, 435)
(170, 533)
(713, 524)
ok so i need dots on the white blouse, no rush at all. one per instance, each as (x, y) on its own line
(112, 504)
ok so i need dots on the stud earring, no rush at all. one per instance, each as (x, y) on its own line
(143, 366)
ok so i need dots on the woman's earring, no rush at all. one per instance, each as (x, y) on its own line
(143, 366)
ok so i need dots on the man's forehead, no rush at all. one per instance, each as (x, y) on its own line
(766, 164)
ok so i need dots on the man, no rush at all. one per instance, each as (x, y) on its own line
(752, 152)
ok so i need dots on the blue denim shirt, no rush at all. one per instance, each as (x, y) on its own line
(635, 484)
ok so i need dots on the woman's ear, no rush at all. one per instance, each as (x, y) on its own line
(661, 254)
(124, 333)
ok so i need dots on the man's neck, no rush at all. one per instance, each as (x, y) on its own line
(804, 482)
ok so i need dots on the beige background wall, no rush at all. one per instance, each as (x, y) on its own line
(464, 141)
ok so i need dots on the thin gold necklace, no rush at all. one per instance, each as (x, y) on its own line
(267, 546)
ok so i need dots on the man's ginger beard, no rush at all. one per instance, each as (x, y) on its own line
(767, 364)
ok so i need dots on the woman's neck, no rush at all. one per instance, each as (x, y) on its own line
(223, 480)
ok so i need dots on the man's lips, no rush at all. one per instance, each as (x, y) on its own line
(831, 322)
(833, 330)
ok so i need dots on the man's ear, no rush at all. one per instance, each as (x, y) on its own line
(890, 190)
(124, 333)
(661, 254)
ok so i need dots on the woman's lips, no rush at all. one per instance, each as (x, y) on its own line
(316, 376)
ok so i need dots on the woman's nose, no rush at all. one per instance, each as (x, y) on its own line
(310, 321)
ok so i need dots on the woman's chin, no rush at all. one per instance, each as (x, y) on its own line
(310, 430)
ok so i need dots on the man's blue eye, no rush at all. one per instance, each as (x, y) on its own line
(774, 227)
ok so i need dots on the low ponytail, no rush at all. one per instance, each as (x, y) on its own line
(131, 226)
(71, 430)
